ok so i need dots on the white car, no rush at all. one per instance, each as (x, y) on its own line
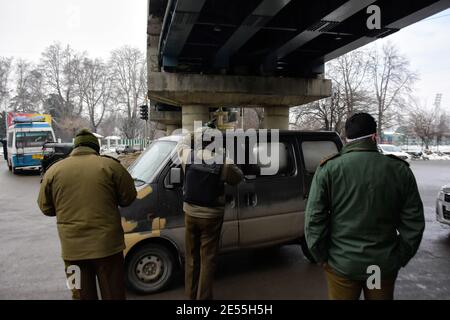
(394, 150)
(443, 205)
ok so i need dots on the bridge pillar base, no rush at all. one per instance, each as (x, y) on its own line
(276, 117)
(191, 113)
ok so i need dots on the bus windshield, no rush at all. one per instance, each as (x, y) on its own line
(32, 139)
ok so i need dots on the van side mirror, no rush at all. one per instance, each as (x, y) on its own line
(175, 176)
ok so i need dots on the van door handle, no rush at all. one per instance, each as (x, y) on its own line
(251, 199)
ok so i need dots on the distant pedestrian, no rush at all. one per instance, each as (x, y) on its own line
(84, 191)
(203, 205)
(364, 216)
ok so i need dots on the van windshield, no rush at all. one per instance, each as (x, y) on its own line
(149, 162)
(32, 139)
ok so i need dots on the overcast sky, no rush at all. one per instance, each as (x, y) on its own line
(27, 27)
(99, 26)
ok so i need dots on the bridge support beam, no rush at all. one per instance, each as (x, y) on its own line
(195, 93)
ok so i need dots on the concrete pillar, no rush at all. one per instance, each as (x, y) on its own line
(191, 113)
(170, 128)
(276, 117)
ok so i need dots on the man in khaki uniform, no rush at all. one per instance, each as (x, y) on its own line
(84, 191)
(203, 223)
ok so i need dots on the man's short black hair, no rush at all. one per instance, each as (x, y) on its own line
(360, 125)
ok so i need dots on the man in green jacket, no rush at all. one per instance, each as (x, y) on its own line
(364, 217)
(84, 191)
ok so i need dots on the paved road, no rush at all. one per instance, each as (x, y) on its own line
(31, 268)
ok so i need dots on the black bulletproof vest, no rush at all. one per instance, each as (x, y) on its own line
(202, 184)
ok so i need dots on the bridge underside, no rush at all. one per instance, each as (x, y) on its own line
(260, 52)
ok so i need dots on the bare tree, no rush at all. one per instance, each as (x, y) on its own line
(326, 114)
(422, 124)
(69, 125)
(392, 79)
(109, 124)
(5, 70)
(59, 66)
(29, 95)
(128, 67)
(429, 124)
(94, 84)
(348, 73)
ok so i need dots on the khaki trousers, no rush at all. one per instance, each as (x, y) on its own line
(202, 244)
(340, 288)
(110, 274)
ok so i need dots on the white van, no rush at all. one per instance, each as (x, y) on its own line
(25, 138)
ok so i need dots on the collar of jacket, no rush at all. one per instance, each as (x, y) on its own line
(360, 145)
(82, 151)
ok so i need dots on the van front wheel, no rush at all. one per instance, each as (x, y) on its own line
(150, 268)
(306, 251)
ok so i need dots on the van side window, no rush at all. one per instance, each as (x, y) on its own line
(274, 158)
(10, 139)
(315, 151)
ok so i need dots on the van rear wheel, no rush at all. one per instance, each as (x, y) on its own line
(150, 268)
(306, 251)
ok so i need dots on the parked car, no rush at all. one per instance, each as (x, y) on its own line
(262, 211)
(443, 205)
(124, 149)
(394, 150)
(415, 155)
(53, 152)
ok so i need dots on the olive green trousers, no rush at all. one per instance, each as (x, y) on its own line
(109, 271)
(340, 288)
(202, 245)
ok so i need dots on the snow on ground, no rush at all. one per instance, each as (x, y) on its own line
(434, 153)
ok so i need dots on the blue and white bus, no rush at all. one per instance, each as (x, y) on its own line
(25, 138)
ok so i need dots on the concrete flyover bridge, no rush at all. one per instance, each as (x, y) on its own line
(205, 54)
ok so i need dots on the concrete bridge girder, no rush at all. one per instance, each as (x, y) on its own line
(195, 93)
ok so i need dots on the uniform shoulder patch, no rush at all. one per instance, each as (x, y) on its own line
(105, 156)
(397, 158)
(325, 160)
